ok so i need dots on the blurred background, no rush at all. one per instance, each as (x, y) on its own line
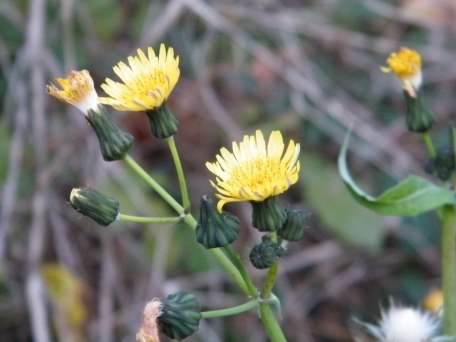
(309, 68)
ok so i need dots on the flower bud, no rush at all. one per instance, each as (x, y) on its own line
(149, 328)
(215, 229)
(294, 226)
(267, 215)
(180, 315)
(163, 123)
(265, 254)
(419, 118)
(93, 204)
(442, 165)
(114, 143)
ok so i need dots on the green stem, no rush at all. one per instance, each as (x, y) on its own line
(180, 173)
(135, 167)
(153, 220)
(188, 219)
(235, 310)
(429, 145)
(271, 325)
(235, 258)
(449, 270)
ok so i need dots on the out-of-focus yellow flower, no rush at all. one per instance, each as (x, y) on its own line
(406, 65)
(146, 82)
(255, 171)
(149, 328)
(77, 89)
(433, 301)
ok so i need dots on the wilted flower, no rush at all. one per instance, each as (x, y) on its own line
(146, 82)
(149, 328)
(255, 171)
(406, 64)
(76, 89)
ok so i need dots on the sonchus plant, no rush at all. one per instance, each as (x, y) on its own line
(416, 195)
(255, 171)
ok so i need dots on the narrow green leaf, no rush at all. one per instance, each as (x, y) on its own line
(413, 196)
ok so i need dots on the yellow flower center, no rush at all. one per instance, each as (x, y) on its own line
(405, 64)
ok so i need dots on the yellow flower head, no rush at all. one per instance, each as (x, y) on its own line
(406, 64)
(255, 171)
(149, 328)
(77, 89)
(433, 300)
(146, 82)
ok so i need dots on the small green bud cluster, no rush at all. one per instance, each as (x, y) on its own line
(442, 165)
(217, 229)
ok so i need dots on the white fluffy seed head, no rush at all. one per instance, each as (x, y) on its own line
(405, 324)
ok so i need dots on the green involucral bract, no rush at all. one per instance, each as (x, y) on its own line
(216, 229)
(95, 205)
(267, 215)
(181, 314)
(163, 123)
(419, 118)
(114, 143)
(265, 254)
(294, 226)
(412, 196)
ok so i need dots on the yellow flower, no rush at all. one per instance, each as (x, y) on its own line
(406, 64)
(433, 300)
(147, 81)
(77, 89)
(149, 328)
(254, 171)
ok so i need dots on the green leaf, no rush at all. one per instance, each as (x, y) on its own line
(413, 196)
(336, 209)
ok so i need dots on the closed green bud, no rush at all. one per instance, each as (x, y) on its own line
(102, 209)
(419, 118)
(443, 165)
(114, 143)
(215, 229)
(163, 122)
(265, 254)
(180, 315)
(267, 215)
(294, 226)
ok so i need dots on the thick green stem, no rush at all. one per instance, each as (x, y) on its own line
(188, 219)
(152, 220)
(235, 310)
(449, 270)
(180, 173)
(271, 325)
(429, 145)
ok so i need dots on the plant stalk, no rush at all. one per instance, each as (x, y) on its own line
(235, 310)
(429, 145)
(449, 270)
(146, 220)
(180, 173)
